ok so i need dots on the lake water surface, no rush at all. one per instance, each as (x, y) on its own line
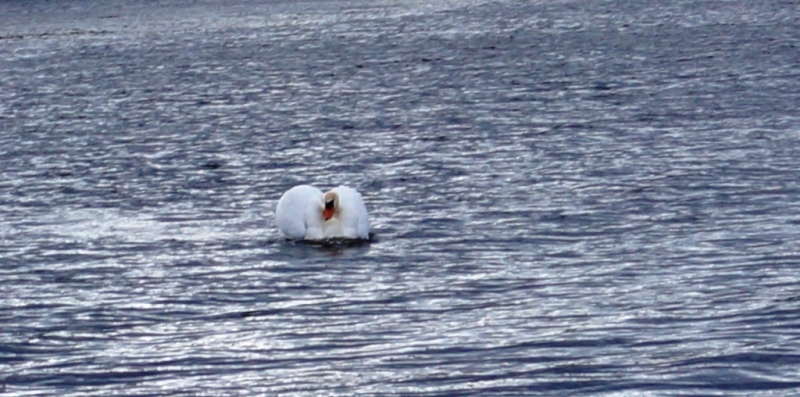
(583, 198)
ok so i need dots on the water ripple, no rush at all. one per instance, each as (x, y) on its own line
(566, 198)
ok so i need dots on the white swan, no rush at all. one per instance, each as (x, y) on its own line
(304, 212)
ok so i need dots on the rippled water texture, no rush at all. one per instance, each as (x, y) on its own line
(568, 197)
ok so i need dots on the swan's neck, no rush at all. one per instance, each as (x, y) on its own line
(333, 227)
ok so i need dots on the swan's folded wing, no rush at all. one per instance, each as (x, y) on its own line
(293, 214)
(355, 223)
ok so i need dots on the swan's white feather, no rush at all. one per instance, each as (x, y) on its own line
(296, 214)
(299, 214)
(353, 217)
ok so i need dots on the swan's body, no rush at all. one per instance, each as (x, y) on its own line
(304, 212)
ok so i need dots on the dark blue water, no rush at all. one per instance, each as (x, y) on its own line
(568, 198)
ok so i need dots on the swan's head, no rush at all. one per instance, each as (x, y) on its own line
(331, 200)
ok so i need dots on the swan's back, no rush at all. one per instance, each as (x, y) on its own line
(297, 213)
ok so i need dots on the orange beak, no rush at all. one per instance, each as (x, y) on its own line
(327, 214)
